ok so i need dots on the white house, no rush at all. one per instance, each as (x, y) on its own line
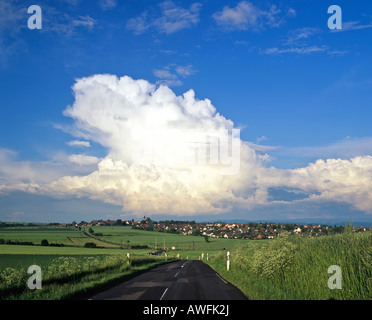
(297, 230)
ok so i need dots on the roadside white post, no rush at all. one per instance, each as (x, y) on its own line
(128, 257)
(207, 256)
(228, 260)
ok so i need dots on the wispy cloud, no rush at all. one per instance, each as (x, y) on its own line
(299, 35)
(82, 159)
(78, 143)
(84, 21)
(13, 20)
(185, 71)
(247, 16)
(12, 17)
(301, 41)
(353, 25)
(140, 24)
(346, 148)
(107, 4)
(170, 19)
(170, 74)
(164, 74)
(67, 24)
(299, 50)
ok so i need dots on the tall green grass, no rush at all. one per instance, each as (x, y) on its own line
(68, 277)
(294, 267)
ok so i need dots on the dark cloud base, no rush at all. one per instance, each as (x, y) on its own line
(25, 207)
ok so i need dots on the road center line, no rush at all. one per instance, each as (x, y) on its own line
(162, 296)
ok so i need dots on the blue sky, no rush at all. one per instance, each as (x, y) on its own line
(298, 91)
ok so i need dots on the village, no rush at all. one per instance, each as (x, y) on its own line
(249, 231)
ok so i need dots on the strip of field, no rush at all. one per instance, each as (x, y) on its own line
(37, 234)
(74, 257)
(128, 236)
(81, 241)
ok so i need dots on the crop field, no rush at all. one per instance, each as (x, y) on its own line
(129, 236)
(284, 268)
(70, 267)
(36, 234)
(81, 241)
(114, 241)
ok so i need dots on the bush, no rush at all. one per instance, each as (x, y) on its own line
(273, 260)
(140, 247)
(90, 245)
(63, 266)
(44, 242)
(11, 277)
(56, 245)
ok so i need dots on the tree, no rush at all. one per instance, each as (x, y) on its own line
(196, 232)
(44, 242)
(206, 238)
(91, 231)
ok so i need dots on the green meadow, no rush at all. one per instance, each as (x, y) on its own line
(191, 246)
(36, 234)
(70, 269)
(287, 268)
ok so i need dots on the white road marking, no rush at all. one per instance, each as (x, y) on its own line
(221, 278)
(187, 262)
(162, 296)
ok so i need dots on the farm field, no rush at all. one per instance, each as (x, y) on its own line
(105, 264)
(112, 239)
(121, 235)
(81, 241)
(263, 269)
(36, 234)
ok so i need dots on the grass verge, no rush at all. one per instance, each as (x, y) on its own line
(63, 281)
(296, 268)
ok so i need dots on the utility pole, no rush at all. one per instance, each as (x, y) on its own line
(156, 244)
(164, 243)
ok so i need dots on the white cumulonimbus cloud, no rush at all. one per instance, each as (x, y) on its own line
(165, 156)
(165, 152)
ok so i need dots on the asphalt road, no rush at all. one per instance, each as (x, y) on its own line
(180, 280)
